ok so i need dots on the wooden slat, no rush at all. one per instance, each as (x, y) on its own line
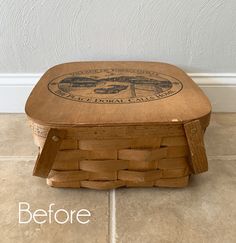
(68, 175)
(173, 182)
(142, 154)
(146, 142)
(194, 136)
(63, 184)
(72, 164)
(66, 155)
(138, 176)
(174, 141)
(103, 144)
(115, 132)
(68, 144)
(46, 158)
(103, 165)
(177, 151)
(65, 144)
(171, 163)
(102, 185)
(142, 165)
(175, 173)
(103, 176)
(70, 179)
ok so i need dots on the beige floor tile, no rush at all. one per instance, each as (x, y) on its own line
(15, 136)
(17, 185)
(203, 212)
(220, 137)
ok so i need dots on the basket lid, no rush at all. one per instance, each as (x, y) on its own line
(109, 93)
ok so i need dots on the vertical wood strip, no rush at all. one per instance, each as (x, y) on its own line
(194, 136)
(46, 158)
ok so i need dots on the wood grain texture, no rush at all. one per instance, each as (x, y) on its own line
(147, 141)
(175, 173)
(138, 176)
(142, 165)
(113, 132)
(103, 165)
(174, 141)
(63, 184)
(68, 175)
(75, 155)
(172, 182)
(47, 157)
(64, 111)
(170, 163)
(103, 176)
(102, 185)
(198, 155)
(142, 154)
(118, 124)
(69, 164)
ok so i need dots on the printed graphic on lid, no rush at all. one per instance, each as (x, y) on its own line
(114, 86)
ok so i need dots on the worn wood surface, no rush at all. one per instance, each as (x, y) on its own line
(162, 93)
(105, 125)
(198, 155)
(49, 151)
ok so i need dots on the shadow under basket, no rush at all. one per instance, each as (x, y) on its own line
(91, 143)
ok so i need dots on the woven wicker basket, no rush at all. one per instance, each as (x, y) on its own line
(102, 155)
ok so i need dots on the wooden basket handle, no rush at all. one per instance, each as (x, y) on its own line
(194, 134)
(48, 154)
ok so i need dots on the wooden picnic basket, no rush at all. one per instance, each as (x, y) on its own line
(106, 125)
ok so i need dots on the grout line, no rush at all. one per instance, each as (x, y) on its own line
(7, 158)
(222, 157)
(112, 219)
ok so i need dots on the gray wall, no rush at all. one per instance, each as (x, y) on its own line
(197, 35)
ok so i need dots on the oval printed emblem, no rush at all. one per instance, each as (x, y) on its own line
(114, 86)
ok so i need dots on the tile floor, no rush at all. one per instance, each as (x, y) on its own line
(203, 212)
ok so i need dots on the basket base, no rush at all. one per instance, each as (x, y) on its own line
(106, 185)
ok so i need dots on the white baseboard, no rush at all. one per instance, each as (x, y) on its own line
(219, 87)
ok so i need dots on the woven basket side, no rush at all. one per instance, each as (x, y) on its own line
(144, 158)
